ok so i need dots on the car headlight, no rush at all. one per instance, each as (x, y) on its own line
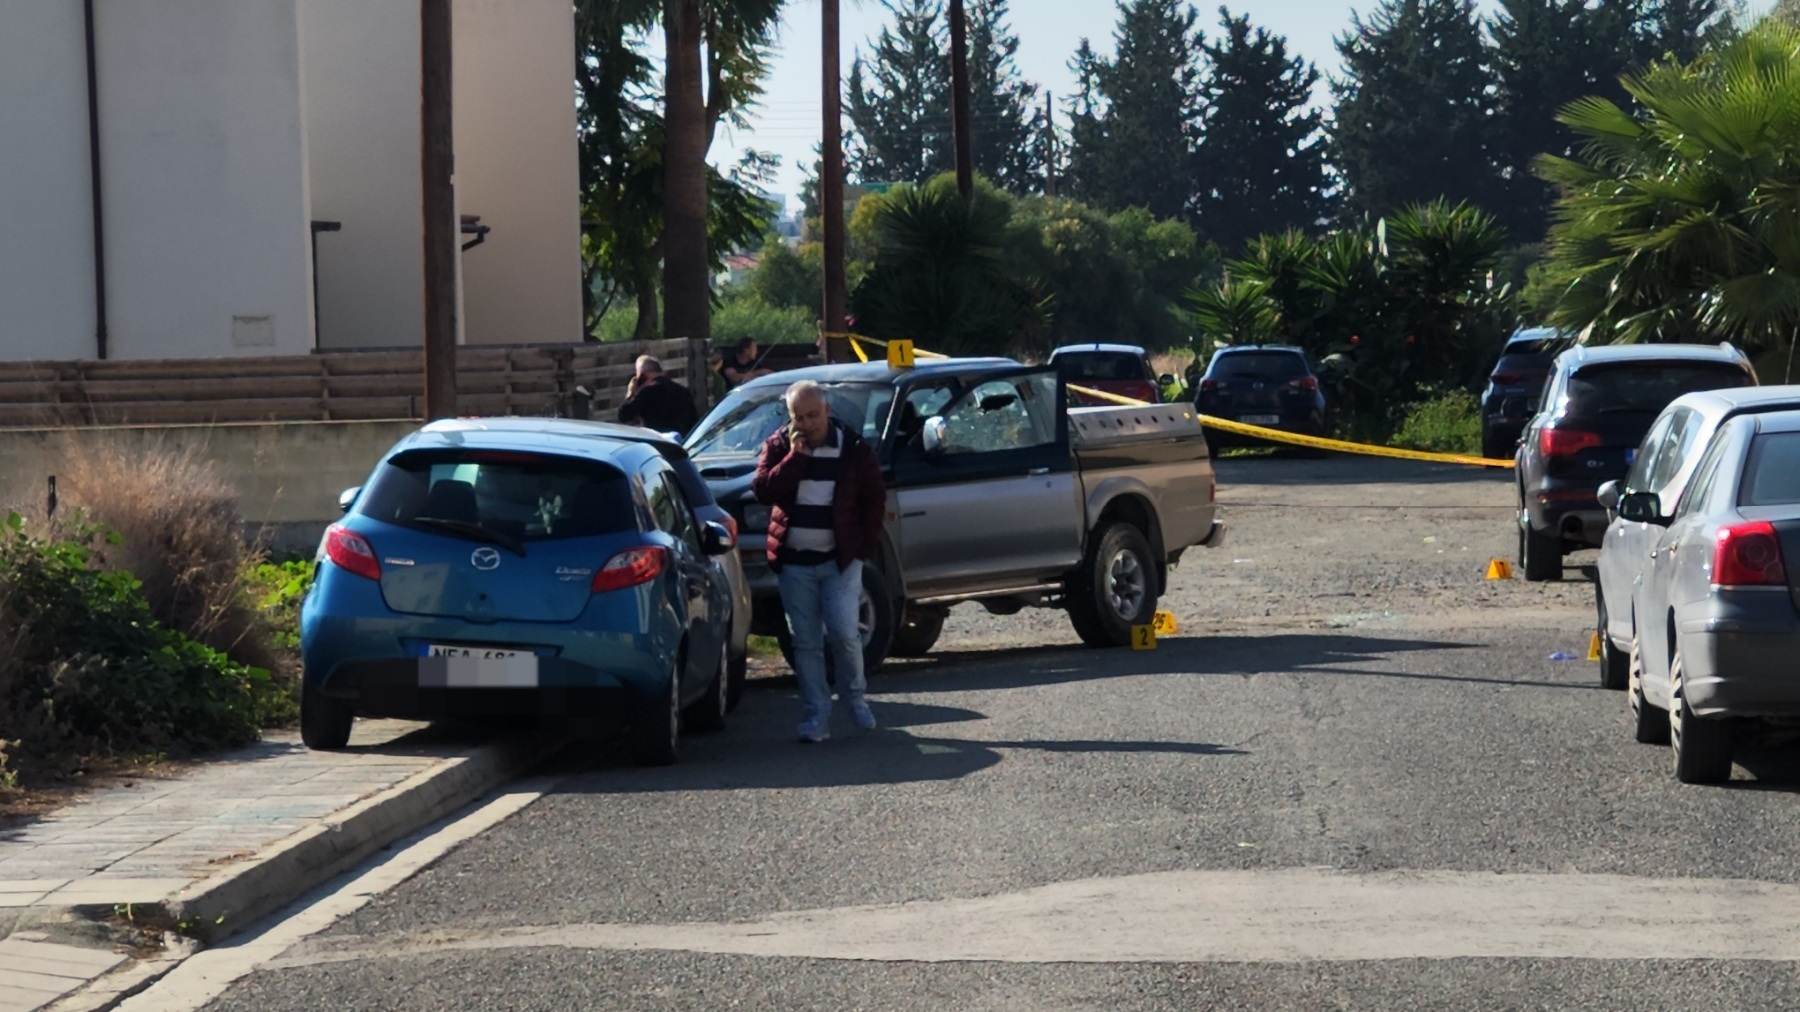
(756, 517)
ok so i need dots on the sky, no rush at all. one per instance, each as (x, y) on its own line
(787, 124)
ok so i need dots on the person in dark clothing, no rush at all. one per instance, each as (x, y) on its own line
(823, 486)
(655, 401)
(740, 365)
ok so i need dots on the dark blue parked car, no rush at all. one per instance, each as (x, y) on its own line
(1269, 385)
(508, 568)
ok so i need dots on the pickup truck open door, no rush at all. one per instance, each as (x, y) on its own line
(985, 483)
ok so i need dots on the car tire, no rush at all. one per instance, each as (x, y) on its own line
(734, 687)
(707, 713)
(919, 631)
(1700, 749)
(324, 722)
(1650, 724)
(875, 612)
(1494, 449)
(656, 735)
(1615, 664)
(1540, 555)
(1115, 588)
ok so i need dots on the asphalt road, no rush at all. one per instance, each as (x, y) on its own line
(1357, 778)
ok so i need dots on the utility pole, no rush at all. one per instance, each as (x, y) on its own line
(831, 186)
(1050, 140)
(959, 89)
(437, 170)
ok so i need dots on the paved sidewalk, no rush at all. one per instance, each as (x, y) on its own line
(261, 820)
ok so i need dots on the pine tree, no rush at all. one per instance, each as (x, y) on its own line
(1006, 139)
(899, 99)
(1260, 165)
(1143, 111)
(1413, 117)
(1682, 28)
(1084, 168)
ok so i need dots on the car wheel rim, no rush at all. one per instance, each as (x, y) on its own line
(723, 689)
(1634, 682)
(865, 618)
(1126, 586)
(1676, 706)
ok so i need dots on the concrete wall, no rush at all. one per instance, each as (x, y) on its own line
(517, 167)
(360, 78)
(204, 179)
(288, 475)
(46, 242)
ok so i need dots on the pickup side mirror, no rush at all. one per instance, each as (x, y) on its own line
(1642, 508)
(716, 539)
(1609, 496)
(934, 435)
(347, 498)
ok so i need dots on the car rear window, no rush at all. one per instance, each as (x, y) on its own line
(1519, 368)
(1648, 387)
(528, 497)
(1102, 365)
(1273, 365)
(1772, 477)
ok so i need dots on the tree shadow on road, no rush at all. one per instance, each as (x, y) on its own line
(1300, 654)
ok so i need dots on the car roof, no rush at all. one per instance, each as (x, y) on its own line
(876, 372)
(1739, 400)
(1232, 348)
(1585, 355)
(1776, 421)
(1524, 334)
(1098, 347)
(622, 445)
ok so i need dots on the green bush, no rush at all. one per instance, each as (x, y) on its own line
(1448, 423)
(278, 589)
(86, 669)
(742, 316)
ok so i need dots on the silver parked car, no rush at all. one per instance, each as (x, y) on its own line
(1717, 614)
(1663, 464)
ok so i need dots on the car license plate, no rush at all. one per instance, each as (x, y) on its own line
(475, 667)
(1261, 419)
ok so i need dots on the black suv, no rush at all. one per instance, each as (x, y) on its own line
(1271, 385)
(1596, 409)
(1515, 387)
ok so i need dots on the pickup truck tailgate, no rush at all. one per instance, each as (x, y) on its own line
(1157, 451)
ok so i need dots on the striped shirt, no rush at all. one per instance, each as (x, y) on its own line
(811, 538)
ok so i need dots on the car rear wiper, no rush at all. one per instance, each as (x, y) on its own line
(474, 532)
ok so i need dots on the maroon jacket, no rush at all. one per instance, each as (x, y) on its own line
(858, 506)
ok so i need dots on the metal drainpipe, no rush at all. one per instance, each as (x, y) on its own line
(99, 208)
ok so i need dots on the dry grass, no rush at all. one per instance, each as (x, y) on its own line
(1173, 363)
(180, 533)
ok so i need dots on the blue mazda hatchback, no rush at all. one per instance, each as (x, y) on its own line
(492, 568)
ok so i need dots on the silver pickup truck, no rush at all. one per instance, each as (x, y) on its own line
(998, 493)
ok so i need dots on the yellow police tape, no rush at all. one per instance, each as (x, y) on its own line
(856, 342)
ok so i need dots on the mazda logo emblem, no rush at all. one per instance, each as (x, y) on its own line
(485, 559)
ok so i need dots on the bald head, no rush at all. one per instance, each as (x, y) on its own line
(808, 412)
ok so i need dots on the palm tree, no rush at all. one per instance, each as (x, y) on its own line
(1680, 219)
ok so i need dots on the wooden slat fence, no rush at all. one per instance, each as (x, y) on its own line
(539, 380)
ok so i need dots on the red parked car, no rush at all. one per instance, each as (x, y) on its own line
(1121, 369)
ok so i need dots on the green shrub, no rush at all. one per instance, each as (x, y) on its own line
(278, 589)
(744, 316)
(86, 668)
(1448, 423)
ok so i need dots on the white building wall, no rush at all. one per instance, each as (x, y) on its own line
(204, 178)
(46, 237)
(360, 73)
(517, 167)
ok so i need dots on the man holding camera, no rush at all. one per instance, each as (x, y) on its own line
(823, 486)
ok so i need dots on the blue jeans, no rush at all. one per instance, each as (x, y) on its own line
(822, 604)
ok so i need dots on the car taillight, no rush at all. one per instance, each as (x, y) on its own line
(1306, 383)
(1748, 555)
(1208, 386)
(351, 552)
(1507, 378)
(631, 568)
(1553, 442)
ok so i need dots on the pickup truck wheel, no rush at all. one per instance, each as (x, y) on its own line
(1115, 590)
(919, 632)
(874, 621)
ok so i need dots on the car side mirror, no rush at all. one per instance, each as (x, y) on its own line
(715, 538)
(1609, 496)
(347, 498)
(934, 435)
(1642, 508)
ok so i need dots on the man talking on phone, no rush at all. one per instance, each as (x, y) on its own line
(822, 485)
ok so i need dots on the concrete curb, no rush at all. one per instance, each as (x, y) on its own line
(217, 907)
